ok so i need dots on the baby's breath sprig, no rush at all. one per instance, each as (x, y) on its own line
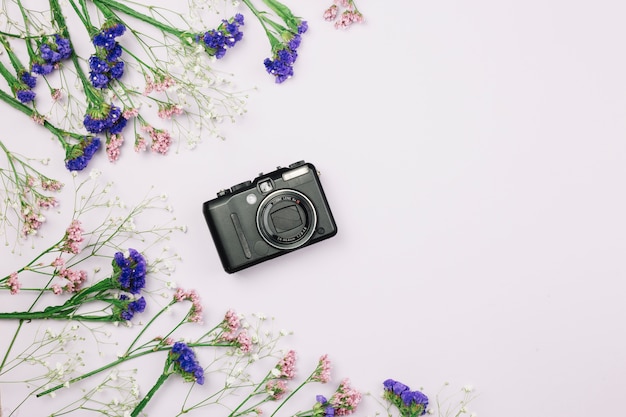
(27, 193)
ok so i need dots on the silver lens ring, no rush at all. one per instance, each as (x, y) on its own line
(286, 219)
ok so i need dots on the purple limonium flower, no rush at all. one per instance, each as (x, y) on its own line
(409, 403)
(281, 66)
(227, 34)
(131, 307)
(285, 54)
(42, 68)
(106, 37)
(186, 364)
(25, 95)
(130, 271)
(51, 51)
(101, 119)
(79, 155)
(27, 78)
(105, 65)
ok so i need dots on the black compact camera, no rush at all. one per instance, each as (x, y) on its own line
(276, 213)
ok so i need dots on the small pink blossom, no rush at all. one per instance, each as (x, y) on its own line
(73, 237)
(114, 143)
(244, 342)
(345, 399)
(331, 13)
(195, 314)
(276, 389)
(57, 289)
(161, 139)
(160, 84)
(75, 279)
(169, 110)
(322, 372)
(130, 113)
(50, 185)
(140, 144)
(47, 202)
(58, 262)
(231, 325)
(32, 221)
(38, 118)
(56, 94)
(347, 18)
(14, 283)
(287, 365)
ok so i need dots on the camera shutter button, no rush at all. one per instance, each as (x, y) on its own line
(240, 186)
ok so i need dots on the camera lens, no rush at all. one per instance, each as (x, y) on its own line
(286, 219)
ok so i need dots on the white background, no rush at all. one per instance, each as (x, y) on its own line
(473, 155)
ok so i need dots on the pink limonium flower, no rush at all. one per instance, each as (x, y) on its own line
(140, 143)
(276, 389)
(161, 139)
(56, 94)
(349, 14)
(195, 314)
(331, 13)
(231, 325)
(14, 283)
(32, 221)
(346, 399)
(73, 237)
(114, 143)
(286, 367)
(322, 372)
(166, 111)
(160, 83)
(75, 279)
(244, 342)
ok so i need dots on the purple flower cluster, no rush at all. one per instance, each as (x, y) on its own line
(107, 118)
(79, 155)
(25, 95)
(410, 403)
(131, 307)
(105, 65)
(324, 405)
(52, 51)
(130, 271)
(281, 66)
(227, 34)
(186, 364)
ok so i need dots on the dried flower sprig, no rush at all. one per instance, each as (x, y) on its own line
(26, 194)
(344, 13)
(409, 403)
(284, 37)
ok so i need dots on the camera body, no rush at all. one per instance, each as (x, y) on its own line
(272, 215)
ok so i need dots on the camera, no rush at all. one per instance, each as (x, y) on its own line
(272, 215)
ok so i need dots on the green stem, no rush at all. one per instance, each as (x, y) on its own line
(291, 394)
(143, 330)
(144, 401)
(16, 104)
(274, 41)
(112, 4)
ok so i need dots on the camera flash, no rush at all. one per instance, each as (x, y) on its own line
(251, 198)
(265, 186)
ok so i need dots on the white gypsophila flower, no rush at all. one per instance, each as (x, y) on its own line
(94, 174)
(468, 388)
